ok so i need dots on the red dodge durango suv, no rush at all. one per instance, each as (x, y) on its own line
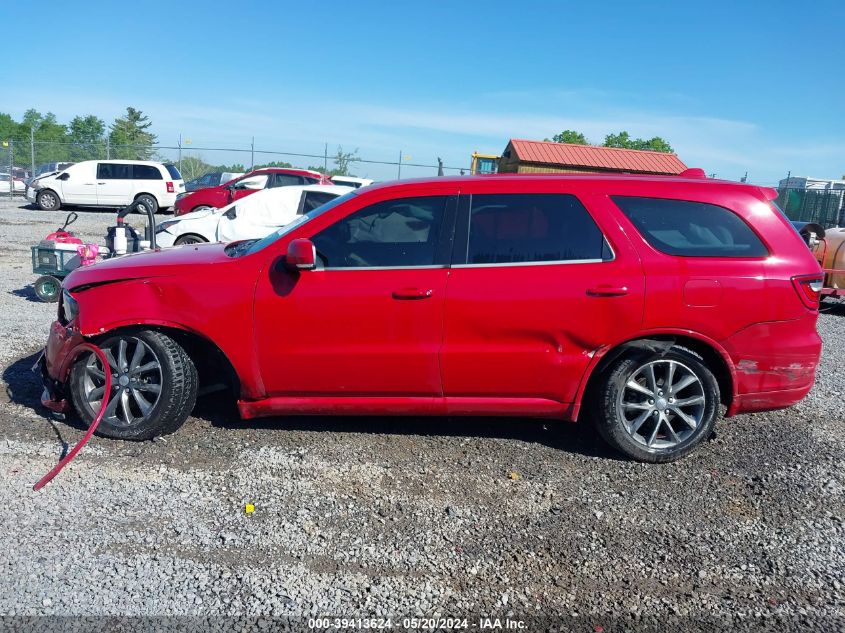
(647, 302)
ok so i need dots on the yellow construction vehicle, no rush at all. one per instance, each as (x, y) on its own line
(484, 163)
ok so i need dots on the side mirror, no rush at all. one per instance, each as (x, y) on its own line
(63, 176)
(301, 255)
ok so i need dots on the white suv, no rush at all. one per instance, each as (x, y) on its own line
(108, 183)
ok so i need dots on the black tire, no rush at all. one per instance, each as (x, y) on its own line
(147, 201)
(614, 396)
(48, 200)
(190, 238)
(175, 400)
(47, 288)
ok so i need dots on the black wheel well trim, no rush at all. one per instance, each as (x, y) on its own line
(190, 235)
(203, 352)
(147, 193)
(661, 344)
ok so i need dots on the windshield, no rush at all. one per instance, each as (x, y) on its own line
(299, 221)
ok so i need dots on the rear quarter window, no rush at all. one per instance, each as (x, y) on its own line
(174, 173)
(691, 229)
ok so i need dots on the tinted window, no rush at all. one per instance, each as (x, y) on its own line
(691, 229)
(314, 199)
(113, 171)
(519, 228)
(145, 172)
(311, 181)
(285, 180)
(403, 232)
(174, 173)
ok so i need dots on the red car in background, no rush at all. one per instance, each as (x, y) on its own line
(267, 178)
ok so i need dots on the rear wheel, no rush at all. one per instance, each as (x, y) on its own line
(48, 200)
(202, 207)
(154, 386)
(657, 408)
(47, 288)
(146, 201)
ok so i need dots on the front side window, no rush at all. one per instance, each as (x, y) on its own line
(530, 228)
(258, 181)
(113, 171)
(691, 229)
(145, 172)
(391, 234)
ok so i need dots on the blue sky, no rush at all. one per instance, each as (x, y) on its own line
(733, 86)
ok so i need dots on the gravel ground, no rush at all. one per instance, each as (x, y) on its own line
(403, 517)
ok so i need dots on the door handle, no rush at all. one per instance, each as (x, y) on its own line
(607, 291)
(101, 183)
(412, 293)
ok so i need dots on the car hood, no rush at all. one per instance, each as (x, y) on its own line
(160, 263)
(196, 215)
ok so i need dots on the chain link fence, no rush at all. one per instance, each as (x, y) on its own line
(822, 206)
(24, 157)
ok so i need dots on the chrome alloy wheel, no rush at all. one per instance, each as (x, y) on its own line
(136, 381)
(661, 404)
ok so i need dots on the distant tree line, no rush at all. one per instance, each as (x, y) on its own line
(622, 139)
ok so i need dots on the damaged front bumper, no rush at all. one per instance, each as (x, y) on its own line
(53, 395)
(53, 365)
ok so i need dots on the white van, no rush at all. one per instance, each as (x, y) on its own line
(108, 183)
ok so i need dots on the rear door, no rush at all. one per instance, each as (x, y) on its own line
(537, 285)
(114, 184)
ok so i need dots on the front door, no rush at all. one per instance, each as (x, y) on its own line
(369, 320)
(535, 289)
(79, 184)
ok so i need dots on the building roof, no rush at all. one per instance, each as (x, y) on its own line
(572, 155)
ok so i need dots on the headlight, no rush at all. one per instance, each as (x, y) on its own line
(160, 228)
(69, 307)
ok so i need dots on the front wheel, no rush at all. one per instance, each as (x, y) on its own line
(47, 288)
(48, 201)
(189, 238)
(657, 408)
(154, 386)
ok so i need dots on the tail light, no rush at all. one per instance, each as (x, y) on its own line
(809, 289)
(170, 188)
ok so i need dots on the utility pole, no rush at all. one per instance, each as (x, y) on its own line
(399, 175)
(252, 155)
(11, 165)
(32, 148)
(180, 152)
(326, 159)
(108, 148)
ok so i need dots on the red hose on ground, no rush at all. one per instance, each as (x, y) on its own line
(107, 390)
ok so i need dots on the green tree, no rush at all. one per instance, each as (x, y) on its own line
(275, 163)
(87, 137)
(49, 135)
(624, 140)
(130, 137)
(569, 136)
(343, 161)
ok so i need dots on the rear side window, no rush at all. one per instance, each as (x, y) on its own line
(113, 171)
(524, 228)
(314, 199)
(174, 173)
(285, 180)
(145, 172)
(691, 229)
